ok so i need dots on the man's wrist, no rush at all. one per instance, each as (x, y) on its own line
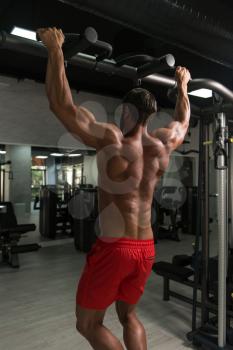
(182, 88)
(55, 48)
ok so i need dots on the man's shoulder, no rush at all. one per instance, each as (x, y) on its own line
(112, 135)
(114, 128)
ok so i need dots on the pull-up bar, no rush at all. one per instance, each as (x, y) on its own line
(147, 71)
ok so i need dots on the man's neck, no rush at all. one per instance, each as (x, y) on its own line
(138, 130)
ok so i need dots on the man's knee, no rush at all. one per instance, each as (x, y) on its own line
(82, 327)
(87, 321)
(83, 324)
(127, 318)
(130, 321)
(86, 327)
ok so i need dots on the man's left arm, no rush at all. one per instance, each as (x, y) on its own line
(173, 135)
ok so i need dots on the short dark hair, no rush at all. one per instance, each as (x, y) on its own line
(144, 102)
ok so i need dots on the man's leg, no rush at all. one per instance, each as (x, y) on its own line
(90, 325)
(134, 332)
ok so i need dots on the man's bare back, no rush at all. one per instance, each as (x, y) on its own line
(127, 182)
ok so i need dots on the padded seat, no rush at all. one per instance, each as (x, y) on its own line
(172, 272)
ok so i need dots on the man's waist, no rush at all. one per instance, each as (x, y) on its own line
(125, 241)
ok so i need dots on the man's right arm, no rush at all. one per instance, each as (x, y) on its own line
(77, 119)
(173, 135)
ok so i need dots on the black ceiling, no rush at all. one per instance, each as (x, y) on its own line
(198, 33)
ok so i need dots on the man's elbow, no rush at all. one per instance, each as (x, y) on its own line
(62, 109)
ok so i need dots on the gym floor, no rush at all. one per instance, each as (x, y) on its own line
(38, 302)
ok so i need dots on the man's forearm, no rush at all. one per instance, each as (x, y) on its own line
(182, 110)
(57, 86)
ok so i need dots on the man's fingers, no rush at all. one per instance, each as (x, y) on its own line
(61, 32)
(182, 74)
(41, 30)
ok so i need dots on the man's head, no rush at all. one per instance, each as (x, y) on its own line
(138, 105)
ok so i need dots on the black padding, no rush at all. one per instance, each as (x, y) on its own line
(19, 229)
(182, 260)
(25, 248)
(171, 271)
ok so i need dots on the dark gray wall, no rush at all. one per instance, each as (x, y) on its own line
(20, 186)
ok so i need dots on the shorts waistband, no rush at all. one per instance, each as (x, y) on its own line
(125, 242)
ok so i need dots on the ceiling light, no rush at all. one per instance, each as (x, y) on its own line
(24, 33)
(41, 157)
(204, 93)
(74, 155)
(57, 154)
(2, 152)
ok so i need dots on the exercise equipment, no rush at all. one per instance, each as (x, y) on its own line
(212, 276)
(201, 336)
(189, 211)
(168, 202)
(10, 235)
(181, 270)
(175, 209)
(54, 214)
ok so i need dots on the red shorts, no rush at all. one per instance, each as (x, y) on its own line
(115, 270)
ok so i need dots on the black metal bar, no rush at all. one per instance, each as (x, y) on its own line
(160, 80)
(109, 67)
(198, 228)
(166, 289)
(14, 43)
(106, 48)
(213, 85)
(156, 66)
(134, 60)
(75, 43)
(196, 84)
